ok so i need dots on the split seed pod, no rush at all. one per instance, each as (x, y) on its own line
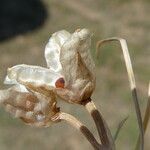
(69, 75)
(33, 108)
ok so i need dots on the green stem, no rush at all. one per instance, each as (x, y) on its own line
(102, 128)
(146, 118)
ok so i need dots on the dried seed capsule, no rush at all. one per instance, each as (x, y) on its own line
(60, 83)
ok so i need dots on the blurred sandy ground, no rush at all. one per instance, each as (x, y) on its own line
(126, 19)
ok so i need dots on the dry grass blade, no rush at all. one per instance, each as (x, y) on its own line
(120, 127)
(131, 80)
(125, 54)
(146, 117)
(79, 126)
(102, 127)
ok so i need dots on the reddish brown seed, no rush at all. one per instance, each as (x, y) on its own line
(60, 83)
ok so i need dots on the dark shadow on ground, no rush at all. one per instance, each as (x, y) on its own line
(20, 16)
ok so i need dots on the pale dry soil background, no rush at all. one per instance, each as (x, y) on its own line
(126, 19)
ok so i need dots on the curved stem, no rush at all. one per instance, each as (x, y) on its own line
(120, 127)
(79, 126)
(103, 130)
(131, 77)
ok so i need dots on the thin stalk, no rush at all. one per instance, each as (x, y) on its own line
(147, 112)
(131, 81)
(120, 127)
(102, 128)
(146, 118)
(80, 127)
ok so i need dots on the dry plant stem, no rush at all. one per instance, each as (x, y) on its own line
(103, 130)
(131, 80)
(82, 128)
(147, 112)
(146, 117)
